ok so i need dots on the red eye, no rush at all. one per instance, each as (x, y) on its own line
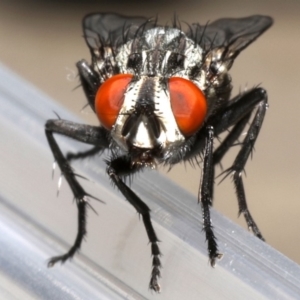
(110, 97)
(188, 105)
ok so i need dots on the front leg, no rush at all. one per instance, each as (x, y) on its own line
(120, 167)
(84, 133)
(205, 196)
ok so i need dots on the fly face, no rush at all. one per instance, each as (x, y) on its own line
(159, 92)
(162, 95)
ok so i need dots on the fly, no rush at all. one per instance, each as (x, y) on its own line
(162, 95)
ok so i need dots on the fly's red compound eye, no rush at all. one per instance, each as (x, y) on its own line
(110, 97)
(188, 103)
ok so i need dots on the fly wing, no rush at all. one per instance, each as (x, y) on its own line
(233, 34)
(113, 30)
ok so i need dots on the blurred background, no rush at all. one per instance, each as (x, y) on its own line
(42, 41)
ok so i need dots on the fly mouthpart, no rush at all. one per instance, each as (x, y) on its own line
(142, 157)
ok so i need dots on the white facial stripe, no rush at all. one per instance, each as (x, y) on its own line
(129, 103)
(143, 138)
(169, 133)
(163, 110)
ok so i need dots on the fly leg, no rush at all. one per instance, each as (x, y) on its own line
(81, 155)
(240, 161)
(87, 134)
(235, 113)
(205, 196)
(117, 168)
(90, 81)
(228, 142)
(230, 139)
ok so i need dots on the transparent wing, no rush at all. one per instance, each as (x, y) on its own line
(109, 29)
(234, 34)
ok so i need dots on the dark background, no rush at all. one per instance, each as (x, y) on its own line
(42, 41)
